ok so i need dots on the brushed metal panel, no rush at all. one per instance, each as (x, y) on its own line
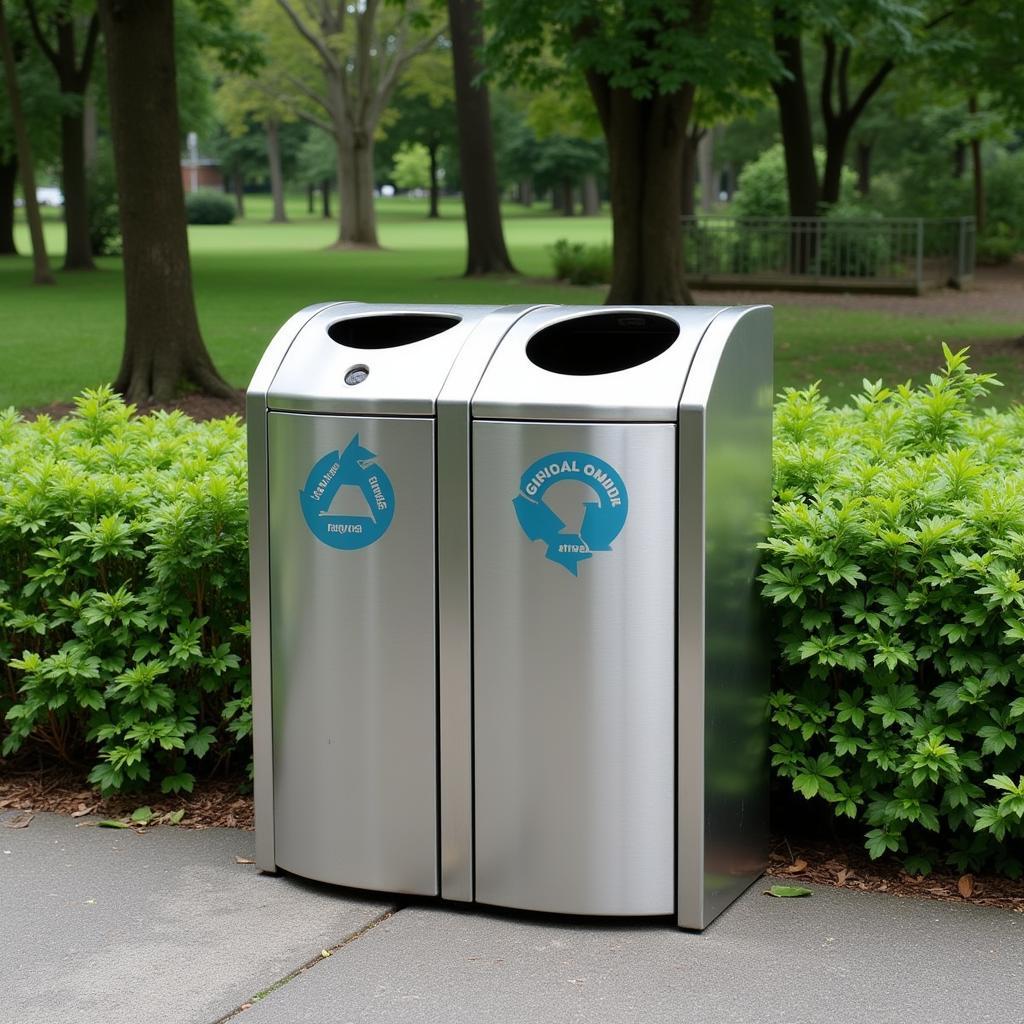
(515, 388)
(455, 647)
(574, 685)
(354, 667)
(259, 579)
(725, 466)
(403, 380)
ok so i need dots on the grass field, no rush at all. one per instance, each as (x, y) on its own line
(251, 275)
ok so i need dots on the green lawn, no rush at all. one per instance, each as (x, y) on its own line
(251, 275)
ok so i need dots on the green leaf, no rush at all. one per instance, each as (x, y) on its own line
(143, 815)
(787, 891)
(112, 823)
(175, 816)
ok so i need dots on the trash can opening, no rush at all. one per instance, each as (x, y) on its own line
(601, 343)
(389, 330)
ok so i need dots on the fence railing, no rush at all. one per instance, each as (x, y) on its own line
(869, 253)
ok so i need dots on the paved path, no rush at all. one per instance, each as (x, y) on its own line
(99, 926)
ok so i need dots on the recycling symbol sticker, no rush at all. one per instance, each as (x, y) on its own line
(602, 519)
(348, 501)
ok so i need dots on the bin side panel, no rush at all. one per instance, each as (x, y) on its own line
(725, 450)
(353, 660)
(574, 682)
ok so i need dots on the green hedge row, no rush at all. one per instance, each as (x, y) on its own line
(124, 591)
(894, 573)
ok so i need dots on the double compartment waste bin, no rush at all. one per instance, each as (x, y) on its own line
(506, 644)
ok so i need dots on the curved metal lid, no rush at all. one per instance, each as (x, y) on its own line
(395, 358)
(580, 369)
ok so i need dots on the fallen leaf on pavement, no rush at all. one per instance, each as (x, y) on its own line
(796, 867)
(111, 823)
(787, 891)
(244, 860)
(19, 820)
(83, 811)
(843, 874)
(966, 886)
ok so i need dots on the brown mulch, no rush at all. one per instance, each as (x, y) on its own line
(212, 804)
(220, 804)
(198, 406)
(849, 867)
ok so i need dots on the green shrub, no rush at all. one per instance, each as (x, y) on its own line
(997, 246)
(124, 591)
(895, 568)
(582, 264)
(209, 208)
(761, 189)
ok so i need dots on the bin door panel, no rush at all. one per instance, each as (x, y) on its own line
(574, 657)
(353, 649)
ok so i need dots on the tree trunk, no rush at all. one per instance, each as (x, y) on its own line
(163, 346)
(568, 200)
(959, 159)
(526, 196)
(310, 189)
(355, 191)
(238, 185)
(78, 252)
(325, 198)
(40, 262)
(978, 174)
(795, 123)
(837, 137)
(90, 131)
(8, 180)
(864, 168)
(591, 196)
(435, 189)
(487, 253)
(276, 177)
(706, 170)
(645, 153)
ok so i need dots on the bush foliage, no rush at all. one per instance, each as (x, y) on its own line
(124, 591)
(206, 207)
(581, 264)
(894, 568)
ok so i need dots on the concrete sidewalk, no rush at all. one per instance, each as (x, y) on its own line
(100, 926)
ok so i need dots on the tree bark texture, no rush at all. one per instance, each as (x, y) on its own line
(163, 349)
(40, 262)
(645, 154)
(279, 216)
(8, 181)
(73, 76)
(355, 191)
(435, 189)
(487, 253)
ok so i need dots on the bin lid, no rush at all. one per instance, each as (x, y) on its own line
(374, 359)
(603, 363)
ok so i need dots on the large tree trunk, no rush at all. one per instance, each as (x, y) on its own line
(487, 253)
(78, 253)
(706, 170)
(978, 174)
(325, 198)
(689, 176)
(163, 347)
(8, 181)
(40, 262)
(435, 189)
(276, 177)
(645, 153)
(795, 122)
(355, 191)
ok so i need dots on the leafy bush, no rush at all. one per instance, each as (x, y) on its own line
(582, 264)
(761, 189)
(209, 208)
(124, 590)
(104, 220)
(997, 246)
(895, 568)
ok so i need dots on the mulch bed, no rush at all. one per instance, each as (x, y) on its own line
(199, 407)
(223, 804)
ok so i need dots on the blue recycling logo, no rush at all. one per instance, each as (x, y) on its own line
(348, 501)
(602, 519)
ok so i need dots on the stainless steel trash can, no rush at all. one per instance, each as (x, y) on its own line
(621, 478)
(344, 414)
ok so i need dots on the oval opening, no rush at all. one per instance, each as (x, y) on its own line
(389, 330)
(601, 343)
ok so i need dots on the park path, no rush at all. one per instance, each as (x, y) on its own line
(177, 927)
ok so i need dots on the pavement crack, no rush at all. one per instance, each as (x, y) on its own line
(308, 965)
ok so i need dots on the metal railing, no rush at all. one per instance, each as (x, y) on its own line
(869, 253)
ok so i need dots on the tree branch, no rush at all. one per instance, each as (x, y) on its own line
(843, 79)
(90, 51)
(318, 44)
(827, 75)
(869, 90)
(301, 86)
(44, 44)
